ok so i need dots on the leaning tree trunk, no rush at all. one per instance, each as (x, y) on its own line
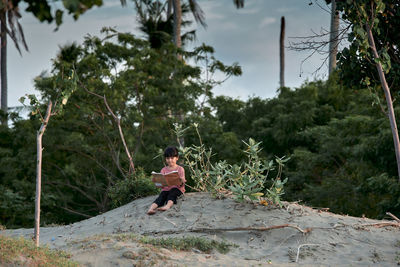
(388, 97)
(39, 171)
(177, 23)
(334, 38)
(3, 65)
(282, 53)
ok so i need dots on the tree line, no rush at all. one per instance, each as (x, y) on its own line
(339, 141)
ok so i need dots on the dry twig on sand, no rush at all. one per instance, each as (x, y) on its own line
(379, 225)
(251, 228)
(213, 230)
(394, 217)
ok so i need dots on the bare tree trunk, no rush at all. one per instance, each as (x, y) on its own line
(333, 40)
(282, 54)
(121, 134)
(39, 172)
(177, 23)
(3, 65)
(169, 9)
(388, 97)
(177, 39)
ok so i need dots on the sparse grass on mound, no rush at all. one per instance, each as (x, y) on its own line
(188, 243)
(180, 243)
(22, 252)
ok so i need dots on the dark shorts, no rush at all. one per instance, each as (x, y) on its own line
(164, 196)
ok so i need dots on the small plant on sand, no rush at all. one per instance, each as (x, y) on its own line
(246, 181)
(189, 243)
(22, 252)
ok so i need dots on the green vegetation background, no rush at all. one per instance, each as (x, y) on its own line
(334, 131)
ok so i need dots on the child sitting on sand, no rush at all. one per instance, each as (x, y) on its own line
(169, 194)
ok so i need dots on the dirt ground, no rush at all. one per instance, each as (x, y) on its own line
(294, 235)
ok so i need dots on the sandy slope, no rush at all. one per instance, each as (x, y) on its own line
(333, 240)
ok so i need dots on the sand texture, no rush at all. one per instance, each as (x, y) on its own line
(294, 235)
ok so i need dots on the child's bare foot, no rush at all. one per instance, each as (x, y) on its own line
(151, 211)
(164, 208)
(170, 203)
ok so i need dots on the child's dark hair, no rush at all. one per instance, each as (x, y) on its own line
(170, 152)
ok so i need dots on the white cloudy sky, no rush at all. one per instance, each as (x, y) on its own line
(249, 36)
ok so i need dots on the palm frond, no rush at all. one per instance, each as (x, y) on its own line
(197, 12)
(239, 3)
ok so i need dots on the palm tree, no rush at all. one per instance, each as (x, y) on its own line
(198, 15)
(159, 27)
(196, 11)
(9, 15)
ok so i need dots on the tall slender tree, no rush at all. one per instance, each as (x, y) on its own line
(282, 53)
(334, 37)
(9, 15)
(177, 22)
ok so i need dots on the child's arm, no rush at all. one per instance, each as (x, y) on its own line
(182, 175)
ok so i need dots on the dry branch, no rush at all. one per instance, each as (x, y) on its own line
(379, 225)
(118, 121)
(233, 229)
(394, 217)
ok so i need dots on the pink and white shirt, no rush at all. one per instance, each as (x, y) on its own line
(181, 172)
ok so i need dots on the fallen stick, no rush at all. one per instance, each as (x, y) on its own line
(251, 229)
(213, 230)
(394, 217)
(379, 225)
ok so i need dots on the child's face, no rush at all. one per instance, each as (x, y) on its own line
(171, 161)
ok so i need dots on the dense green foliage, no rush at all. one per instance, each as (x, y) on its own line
(340, 147)
(339, 143)
(85, 165)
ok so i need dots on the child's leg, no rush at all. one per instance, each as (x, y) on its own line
(170, 203)
(162, 198)
(152, 209)
(173, 194)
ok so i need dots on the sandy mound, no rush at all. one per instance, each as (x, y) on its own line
(277, 237)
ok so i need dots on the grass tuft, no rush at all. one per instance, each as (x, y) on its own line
(188, 243)
(22, 252)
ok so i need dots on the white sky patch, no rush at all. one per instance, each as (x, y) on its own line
(266, 21)
(112, 3)
(248, 11)
(212, 10)
(228, 26)
(285, 10)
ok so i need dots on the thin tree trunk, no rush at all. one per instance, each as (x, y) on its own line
(177, 40)
(282, 54)
(3, 66)
(388, 97)
(39, 172)
(177, 23)
(333, 41)
(121, 134)
(169, 9)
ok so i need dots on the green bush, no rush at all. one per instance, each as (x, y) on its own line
(135, 186)
(247, 181)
